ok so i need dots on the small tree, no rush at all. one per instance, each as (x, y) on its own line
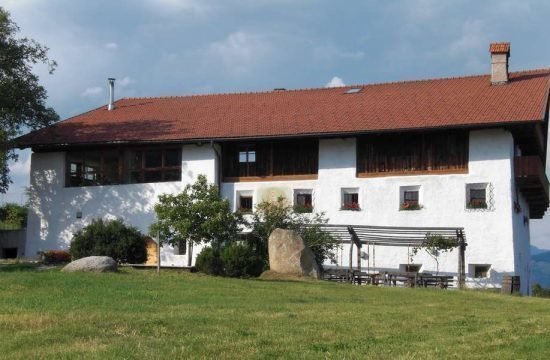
(198, 215)
(279, 214)
(434, 244)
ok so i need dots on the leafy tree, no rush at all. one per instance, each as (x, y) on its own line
(197, 214)
(279, 214)
(13, 215)
(434, 244)
(22, 103)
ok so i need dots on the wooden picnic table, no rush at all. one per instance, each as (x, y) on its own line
(414, 279)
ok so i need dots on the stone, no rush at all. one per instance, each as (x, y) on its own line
(92, 264)
(289, 255)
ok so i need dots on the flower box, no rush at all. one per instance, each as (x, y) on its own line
(410, 205)
(477, 204)
(353, 206)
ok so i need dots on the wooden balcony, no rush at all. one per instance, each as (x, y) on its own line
(532, 182)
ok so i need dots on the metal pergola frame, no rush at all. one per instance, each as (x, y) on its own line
(360, 235)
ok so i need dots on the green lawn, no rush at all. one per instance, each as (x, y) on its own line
(136, 314)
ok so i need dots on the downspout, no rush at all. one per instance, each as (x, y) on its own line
(219, 165)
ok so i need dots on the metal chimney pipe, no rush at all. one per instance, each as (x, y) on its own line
(111, 105)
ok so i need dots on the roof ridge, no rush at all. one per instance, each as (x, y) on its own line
(259, 92)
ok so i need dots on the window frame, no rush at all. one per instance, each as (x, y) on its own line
(410, 205)
(122, 171)
(350, 205)
(143, 170)
(306, 207)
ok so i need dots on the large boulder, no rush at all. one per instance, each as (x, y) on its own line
(92, 264)
(289, 255)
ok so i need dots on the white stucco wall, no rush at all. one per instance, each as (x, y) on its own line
(497, 237)
(52, 214)
(490, 234)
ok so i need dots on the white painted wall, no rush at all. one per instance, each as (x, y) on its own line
(53, 207)
(497, 237)
(490, 234)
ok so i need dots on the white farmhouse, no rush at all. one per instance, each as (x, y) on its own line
(462, 152)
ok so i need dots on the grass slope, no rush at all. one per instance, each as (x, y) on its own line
(138, 315)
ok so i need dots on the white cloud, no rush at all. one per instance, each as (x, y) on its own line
(126, 81)
(172, 7)
(335, 82)
(111, 46)
(92, 91)
(330, 52)
(473, 38)
(241, 52)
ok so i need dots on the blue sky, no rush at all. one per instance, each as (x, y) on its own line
(175, 47)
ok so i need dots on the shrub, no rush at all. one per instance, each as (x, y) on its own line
(111, 238)
(539, 291)
(240, 260)
(55, 257)
(209, 262)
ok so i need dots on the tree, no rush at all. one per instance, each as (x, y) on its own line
(197, 214)
(13, 215)
(434, 244)
(22, 103)
(279, 214)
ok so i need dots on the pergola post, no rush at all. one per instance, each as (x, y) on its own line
(461, 259)
(355, 240)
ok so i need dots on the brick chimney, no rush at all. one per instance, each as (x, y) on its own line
(500, 53)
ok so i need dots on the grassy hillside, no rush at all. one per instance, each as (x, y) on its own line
(138, 315)
(540, 269)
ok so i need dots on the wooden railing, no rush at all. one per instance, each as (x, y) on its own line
(531, 180)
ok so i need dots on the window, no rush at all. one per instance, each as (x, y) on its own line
(88, 168)
(152, 165)
(384, 155)
(350, 199)
(481, 271)
(121, 166)
(410, 198)
(264, 159)
(247, 156)
(181, 248)
(303, 201)
(245, 202)
(247, 160)
(476, 196)
(412, 268)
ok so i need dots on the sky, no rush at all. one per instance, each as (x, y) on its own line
(178, 47)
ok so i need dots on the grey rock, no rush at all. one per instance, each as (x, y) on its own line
(289, 255)
(92, 264)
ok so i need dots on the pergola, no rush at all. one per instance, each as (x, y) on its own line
(360, 235)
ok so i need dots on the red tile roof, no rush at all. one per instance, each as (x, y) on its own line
(454, 102)
(499, 48)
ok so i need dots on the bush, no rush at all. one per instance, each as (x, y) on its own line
(55, 257)
(208, 262)
(240, 260)
(539, 291)
(111, 238)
